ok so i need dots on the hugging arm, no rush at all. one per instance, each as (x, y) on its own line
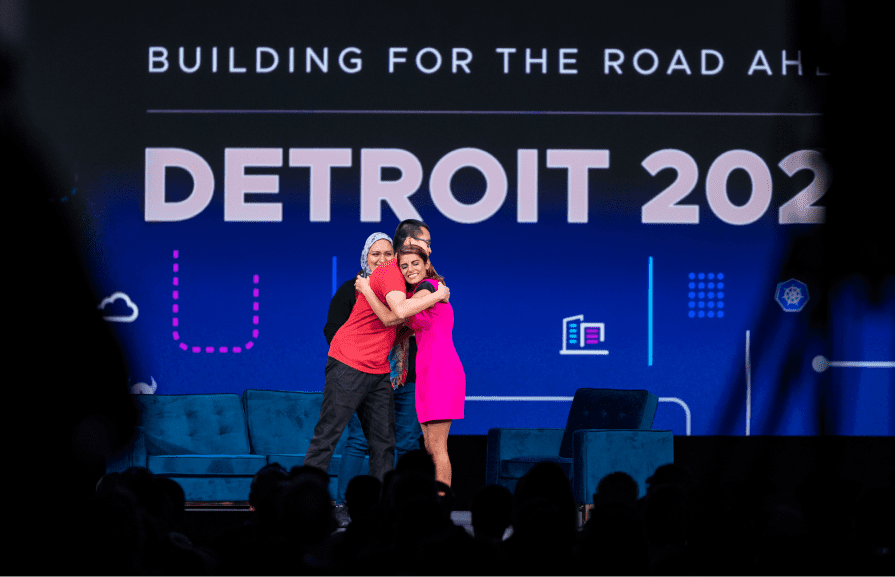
(385, 315)
(404, 307)
(399, 306)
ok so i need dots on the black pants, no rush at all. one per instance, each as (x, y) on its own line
(348, 390)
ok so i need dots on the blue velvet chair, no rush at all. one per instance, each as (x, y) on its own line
(607, 430)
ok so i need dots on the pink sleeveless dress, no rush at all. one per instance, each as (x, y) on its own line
(440, 380)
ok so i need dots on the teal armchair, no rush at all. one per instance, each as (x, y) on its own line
(607, 430)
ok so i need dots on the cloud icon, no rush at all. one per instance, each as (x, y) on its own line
(119, 308)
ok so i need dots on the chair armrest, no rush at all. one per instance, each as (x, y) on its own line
(511, 443)
(599, 452)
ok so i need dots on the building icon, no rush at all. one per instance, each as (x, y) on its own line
(581, 338)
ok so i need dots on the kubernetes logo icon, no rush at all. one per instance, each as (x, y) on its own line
(792, 295)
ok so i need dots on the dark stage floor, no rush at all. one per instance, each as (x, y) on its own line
(782, 464)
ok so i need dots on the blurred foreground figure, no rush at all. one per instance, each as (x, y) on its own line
(68, 407)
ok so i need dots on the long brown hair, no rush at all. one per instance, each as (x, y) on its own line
(409, 249)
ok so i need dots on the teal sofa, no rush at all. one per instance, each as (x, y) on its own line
(213, 445)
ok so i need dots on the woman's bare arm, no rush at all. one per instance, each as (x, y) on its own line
(399, 306)
(404, 307)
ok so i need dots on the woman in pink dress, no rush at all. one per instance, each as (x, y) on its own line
(440, 380)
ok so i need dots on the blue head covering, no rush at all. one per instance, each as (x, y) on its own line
(376, 236)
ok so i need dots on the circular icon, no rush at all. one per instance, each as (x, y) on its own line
(820, 363)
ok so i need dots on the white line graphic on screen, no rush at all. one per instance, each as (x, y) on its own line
(683, 405)
(675, 400)
(820, 363)
(649, 315)
(470, 112)
(577, 335)
(748, 388)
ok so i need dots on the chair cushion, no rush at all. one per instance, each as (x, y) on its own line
(608, 409)
(517, 467)
(193, 424)
(287, 461)
(281, 422)
(239, 465)
(215, 488)
(158, 446)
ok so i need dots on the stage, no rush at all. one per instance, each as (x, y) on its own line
(781, 464)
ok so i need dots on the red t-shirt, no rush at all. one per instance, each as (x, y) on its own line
(363, 342)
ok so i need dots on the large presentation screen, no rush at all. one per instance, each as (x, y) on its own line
(611, 190)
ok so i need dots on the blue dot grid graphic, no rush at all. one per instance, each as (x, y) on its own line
(705, 295)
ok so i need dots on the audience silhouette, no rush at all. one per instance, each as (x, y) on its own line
(133, 524)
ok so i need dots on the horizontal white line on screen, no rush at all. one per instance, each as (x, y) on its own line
(820, 364)
(471, 112)
(569, 399)
(583, 352)
(518, 398)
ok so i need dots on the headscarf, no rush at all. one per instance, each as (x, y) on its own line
(373, 238)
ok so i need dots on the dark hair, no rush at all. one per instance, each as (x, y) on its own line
(263, 484)
(419, 251)
(617, 487)
(491, 509)
(409, 227)
(299, 472)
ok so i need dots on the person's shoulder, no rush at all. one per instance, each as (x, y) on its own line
(345, 291)
(391, 264)
(428, 285)
(387, 270)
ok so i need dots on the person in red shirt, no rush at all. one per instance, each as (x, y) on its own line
(357, 372)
